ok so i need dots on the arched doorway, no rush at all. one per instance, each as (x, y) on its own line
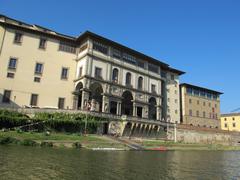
(78, 91)
(152, 112)
(95, 97)
(127, 104)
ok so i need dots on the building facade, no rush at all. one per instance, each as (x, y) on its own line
(41, 68)
(200, 106)
(230, 122)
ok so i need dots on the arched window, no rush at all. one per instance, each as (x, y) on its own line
(140, 83)
(128, 78)
(115, 75)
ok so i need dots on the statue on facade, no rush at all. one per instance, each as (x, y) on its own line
(106, 107)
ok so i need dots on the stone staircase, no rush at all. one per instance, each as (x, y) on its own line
(132, 145)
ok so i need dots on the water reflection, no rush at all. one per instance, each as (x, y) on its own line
(46, 163)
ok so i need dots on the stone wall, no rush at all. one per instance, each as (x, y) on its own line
(202, 122)
(201, 136)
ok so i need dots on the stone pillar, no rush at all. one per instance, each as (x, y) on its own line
(159, 113)
(85, 98)
(145, 112)
(119, 106)
(105, 104)
(134, 110)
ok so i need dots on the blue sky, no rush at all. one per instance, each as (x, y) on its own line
(200, 37)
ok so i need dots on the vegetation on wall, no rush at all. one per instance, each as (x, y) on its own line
(60, 122)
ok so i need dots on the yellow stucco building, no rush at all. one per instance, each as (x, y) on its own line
(230, 122)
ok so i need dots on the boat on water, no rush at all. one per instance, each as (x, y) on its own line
(161, 148)
(108, 149)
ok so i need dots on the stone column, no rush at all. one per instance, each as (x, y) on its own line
(85, 98)
(159, 113)
(145, 112)
(134, 110)
(119, 106)
(105, 104)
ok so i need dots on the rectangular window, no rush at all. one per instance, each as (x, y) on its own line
(34, 100)
(197, 113)
(225, 125)
(18, 38)
(196, 92)
(175, 92)
(61, 102)
(172, 77)
(37, 79)
(153, 68)
(204, 114)
(189, 90)
(197, 102)
(10, 75)
(6, 96)
(202, 94)
(140, 63)
(42, 43)
(64, 74)
(234, 124)
(163, 74)
(38, 68)
(190, 112)
(116, 54)
(214, 96)
(12, 64)
(80, 72)
(67, 47)
(209, 95)
(204, 103)
(100, 47)
(98, 72)
(129, 58)
(153, 88)
(190, 101)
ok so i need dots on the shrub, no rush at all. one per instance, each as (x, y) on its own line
(4, 112)
(46, 144)
(8, 140)
(29, 142)
(77, 145)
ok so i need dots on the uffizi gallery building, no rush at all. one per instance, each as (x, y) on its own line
(40, 68)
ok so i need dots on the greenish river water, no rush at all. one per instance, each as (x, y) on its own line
(18, 162)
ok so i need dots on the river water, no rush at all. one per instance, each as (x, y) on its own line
(18, 162)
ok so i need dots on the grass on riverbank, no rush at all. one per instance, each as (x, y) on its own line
(63, 140)
(149, 144)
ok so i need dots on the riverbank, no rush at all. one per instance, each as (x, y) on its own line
(61, 140)
(98, 142)
(169, 145)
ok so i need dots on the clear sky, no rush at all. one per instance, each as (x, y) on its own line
(200, 37)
